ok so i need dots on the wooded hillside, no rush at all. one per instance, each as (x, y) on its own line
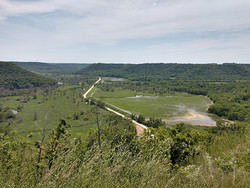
(51, 67)
(15, 77)
(212, 72)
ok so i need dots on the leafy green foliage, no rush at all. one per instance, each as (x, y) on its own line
(150, 72)
(37, 67)
(14, 77)
(152, 122)
(56, 137)
(231, 99)
(181, 156)
(161, 155)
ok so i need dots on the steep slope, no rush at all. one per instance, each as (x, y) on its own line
(15, 77)
(38, 67)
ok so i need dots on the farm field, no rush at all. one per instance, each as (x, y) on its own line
(176, 107)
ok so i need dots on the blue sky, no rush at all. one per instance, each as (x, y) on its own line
(125, 31)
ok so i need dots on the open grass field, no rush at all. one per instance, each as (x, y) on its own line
(64, 102)
(148, 105)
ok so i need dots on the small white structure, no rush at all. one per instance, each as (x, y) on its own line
(14, 112)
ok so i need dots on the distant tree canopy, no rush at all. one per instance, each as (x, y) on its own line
(51, 67)
(227, 85)
(231, 99)
(14, 77)
(156, 71)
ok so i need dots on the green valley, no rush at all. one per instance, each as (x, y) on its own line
(165, 107)
(53, 135)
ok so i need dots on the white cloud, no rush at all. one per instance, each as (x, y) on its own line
(139, 19)
(204, 50)
(111, 21)
(15, 8)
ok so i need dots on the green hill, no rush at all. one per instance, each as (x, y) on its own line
(15, 77)
(38, 67)
(70, 67)
(109, 70)
(51, 67)
(213, 72)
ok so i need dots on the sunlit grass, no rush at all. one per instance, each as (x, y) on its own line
(63, 102)
(165, 106)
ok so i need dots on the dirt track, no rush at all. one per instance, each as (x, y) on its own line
(139, 127)
(85, 94)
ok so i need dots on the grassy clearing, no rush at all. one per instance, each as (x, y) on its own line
(165, 106)
(64, 102)
(118, 93)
